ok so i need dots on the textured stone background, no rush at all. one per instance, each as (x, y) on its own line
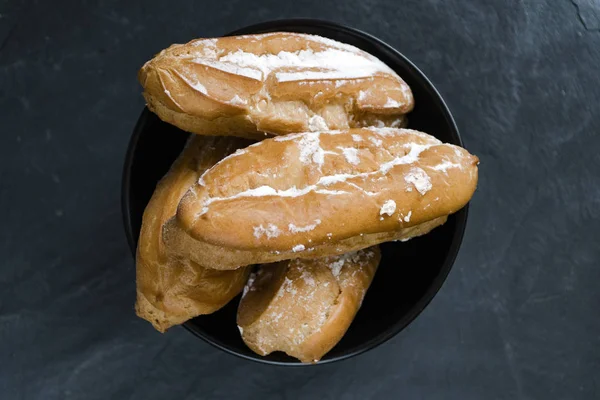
(519, 316)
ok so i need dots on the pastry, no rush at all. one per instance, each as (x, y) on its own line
(172, 289)
(317, 194)
(304, 307)
(274, 83)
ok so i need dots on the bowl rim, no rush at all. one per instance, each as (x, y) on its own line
(288, 25)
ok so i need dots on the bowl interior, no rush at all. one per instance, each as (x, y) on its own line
(410, 273)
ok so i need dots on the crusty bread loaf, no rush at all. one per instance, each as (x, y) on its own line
(276, 83)
(172, 289)
(304, 307)
(300, 192)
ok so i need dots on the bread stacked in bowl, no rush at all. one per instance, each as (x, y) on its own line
(293, 220)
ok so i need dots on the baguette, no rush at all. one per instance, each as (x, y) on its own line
(304, 307)
(172, 289)
(307, 194)
(275, 83)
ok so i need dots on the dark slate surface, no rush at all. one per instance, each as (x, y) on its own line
(519, 315)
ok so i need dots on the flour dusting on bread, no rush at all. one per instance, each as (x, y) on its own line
(270, 231)
(295, 229)
(389, 207)
(310, 149)
(351, 155)
(418, 177)
(305, 306)
(333, 62)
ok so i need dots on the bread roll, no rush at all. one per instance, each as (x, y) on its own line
(307, 194)
(277, 83)
(172, 289)
(304, 307)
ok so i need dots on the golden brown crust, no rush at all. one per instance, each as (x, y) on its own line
(277, 83)
(222, 258)
(304, 307)
(302, 191)
(172, 289)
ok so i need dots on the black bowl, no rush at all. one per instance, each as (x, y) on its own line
(410, 273)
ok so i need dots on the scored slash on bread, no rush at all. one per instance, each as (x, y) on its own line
(304, 307)
(307, 193)
(172, 289)
(275, 83)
